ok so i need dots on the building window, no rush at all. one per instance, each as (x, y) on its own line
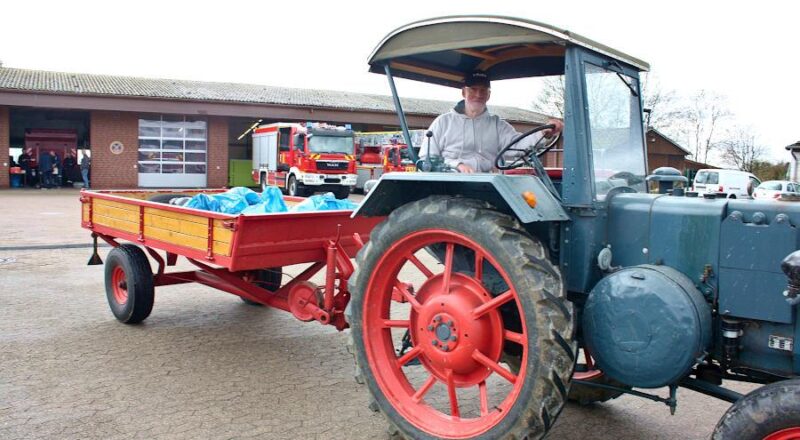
(172, 144)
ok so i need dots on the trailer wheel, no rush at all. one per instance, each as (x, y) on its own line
(448, 380)
(269, 279)
(129, 284)
(768, 413)
(295, 188)
(342, 193)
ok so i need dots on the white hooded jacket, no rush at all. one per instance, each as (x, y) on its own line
(472, 141)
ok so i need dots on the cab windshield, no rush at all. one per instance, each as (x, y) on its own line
(331, 144)
(615, 120)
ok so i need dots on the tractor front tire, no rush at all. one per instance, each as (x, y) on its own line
(478, 323)
(129, 284)
(771, 412)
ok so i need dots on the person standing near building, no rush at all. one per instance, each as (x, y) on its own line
(86, 164)
(24, 161)
(55, 171)
(45, 169)
(68, 169)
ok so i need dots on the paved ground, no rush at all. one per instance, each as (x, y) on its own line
(204, 365)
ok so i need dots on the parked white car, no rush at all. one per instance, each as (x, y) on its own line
(772, 189)
(734, 183)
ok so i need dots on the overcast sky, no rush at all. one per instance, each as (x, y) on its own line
(746, 51)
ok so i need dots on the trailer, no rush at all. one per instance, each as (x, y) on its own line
(239, 254)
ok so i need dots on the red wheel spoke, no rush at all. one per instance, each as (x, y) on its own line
(407, 295)
(396, 323)
(411, 354)
(425, 271)
(448, 266)
(484, 398)
(417, 397)
(519, 338)
(451, 391)
(494, 366)
(478, 265)
(493, 304)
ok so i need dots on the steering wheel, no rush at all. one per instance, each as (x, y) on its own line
(538, 149)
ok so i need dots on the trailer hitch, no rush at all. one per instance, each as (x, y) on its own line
(671, 401)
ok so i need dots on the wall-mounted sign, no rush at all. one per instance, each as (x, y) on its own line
(116, 147)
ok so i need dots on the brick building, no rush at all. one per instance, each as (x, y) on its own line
(171, 133)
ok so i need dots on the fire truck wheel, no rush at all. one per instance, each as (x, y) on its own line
(263, 182)
(129, 284)
(430, 328)
(768, 413)
(342, 193)
(295, 188)
(269, 279)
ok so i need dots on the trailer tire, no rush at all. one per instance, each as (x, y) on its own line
(342, 193)
(768, 413)
(129, 284)
(269, 279)
(547, 323)
(295, 188)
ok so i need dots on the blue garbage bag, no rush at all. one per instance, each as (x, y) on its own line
(233, 201)
(271, 202)
(323, 202)
(251, 196)
(204, 202)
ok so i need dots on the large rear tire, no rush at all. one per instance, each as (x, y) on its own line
(585, 370)
(771, 412)
(129, 284)
(459, 325)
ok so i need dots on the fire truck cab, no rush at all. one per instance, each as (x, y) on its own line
(302, 160)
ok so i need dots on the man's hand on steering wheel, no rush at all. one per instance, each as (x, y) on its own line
(542, 146)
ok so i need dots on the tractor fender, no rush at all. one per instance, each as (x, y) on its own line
(504, 192)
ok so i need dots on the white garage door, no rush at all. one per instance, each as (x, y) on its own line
(173, 152)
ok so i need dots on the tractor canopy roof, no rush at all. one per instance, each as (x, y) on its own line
(442, 50)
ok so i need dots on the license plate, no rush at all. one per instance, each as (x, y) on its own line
(781, 343)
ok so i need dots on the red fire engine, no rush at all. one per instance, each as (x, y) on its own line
(381, 152)
(303, 160)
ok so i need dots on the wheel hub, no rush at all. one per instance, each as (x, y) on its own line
(448, 333)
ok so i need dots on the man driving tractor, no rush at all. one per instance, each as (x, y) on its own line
(469, 137)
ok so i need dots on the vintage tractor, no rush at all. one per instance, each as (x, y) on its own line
(485, 301)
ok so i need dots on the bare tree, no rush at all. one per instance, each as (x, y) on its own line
(742, 151)
(705, 113)
(551, 98)
(662, 105)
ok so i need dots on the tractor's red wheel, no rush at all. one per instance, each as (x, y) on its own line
(129, 284)
(767, 413)
(587, 370)
(423, 279)
(785, 434)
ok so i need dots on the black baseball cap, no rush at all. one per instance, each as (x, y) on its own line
(477, 78)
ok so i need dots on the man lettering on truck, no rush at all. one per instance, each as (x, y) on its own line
(468, 137)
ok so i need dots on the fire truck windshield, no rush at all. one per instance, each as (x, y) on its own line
(330, 144)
